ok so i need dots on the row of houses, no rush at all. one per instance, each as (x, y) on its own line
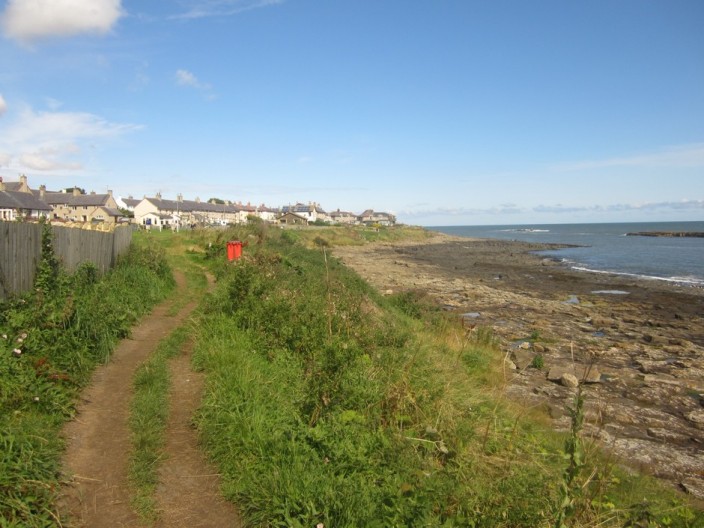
(18, 200)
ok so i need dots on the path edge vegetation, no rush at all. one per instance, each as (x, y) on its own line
(324, 403)
(51, 339)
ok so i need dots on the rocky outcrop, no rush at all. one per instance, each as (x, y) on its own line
(692, 234)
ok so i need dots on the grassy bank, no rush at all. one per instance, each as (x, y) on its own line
(50, 341)
(327, 403)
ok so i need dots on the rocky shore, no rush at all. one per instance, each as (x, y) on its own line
(668, 234)
(636, 346)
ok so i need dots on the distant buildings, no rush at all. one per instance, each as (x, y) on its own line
(18, 201)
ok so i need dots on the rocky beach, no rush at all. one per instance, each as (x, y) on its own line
(636, 346)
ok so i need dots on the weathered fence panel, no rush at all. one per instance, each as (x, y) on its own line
(21, 247)
(20, 251)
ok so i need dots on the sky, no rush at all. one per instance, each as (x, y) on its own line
(443, 112)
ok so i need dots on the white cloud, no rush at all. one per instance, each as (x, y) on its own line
(214, 8)
(53, 104)
(559, 209)
(47, 160)
(28, 20)
(690, 155)
(3, 105)
(54, 141)
(188, 79)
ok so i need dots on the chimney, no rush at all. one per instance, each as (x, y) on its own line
(92, 193)
(197, 199)
(23, 180)
(110, 193)
(158, 196)
(76, 191)
(42, 192)
(179, 197)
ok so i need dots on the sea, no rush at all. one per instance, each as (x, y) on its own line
(605, 248)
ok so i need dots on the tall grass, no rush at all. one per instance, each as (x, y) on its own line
(326, 403)
(324, 406)
(50, 341)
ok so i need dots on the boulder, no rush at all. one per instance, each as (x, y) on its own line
(569, 380)
(697, 418)
(591, 375)
(522, 358)
(694, 487)
(555, 373)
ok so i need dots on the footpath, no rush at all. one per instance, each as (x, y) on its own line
(96, 463)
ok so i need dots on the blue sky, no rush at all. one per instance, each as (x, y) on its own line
(444, 112)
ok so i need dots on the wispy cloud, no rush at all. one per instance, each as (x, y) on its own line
(29, 20)
(54, 141)
(3, 105)
(512, 209)
(690, 155)
(189, 80)
(220, 8)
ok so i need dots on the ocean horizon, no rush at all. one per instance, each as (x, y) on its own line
(606, 248)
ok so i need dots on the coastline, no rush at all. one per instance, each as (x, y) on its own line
(640, 341)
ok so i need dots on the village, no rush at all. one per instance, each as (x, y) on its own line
(19, 202)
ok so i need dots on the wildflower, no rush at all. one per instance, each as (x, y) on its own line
(4, 336)
(19, 339)
(24, 335)
(36, 398)
(17, 352)
(320, 525)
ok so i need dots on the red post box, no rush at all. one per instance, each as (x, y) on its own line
(234, 250)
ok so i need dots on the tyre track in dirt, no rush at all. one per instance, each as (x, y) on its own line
(98, 447)
(188, 494)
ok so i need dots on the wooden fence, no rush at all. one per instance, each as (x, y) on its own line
(21, 250)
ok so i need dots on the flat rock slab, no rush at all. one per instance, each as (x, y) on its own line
(584, 374)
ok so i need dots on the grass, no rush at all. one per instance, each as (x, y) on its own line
(149, 412)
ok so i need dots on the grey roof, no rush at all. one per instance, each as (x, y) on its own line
(301, 208)
(191, 206)
(14, 186)
(131, 202)
(62, 198)
(22, 200)
(112, 212)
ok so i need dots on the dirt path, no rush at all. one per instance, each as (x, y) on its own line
(98, 440)
(188, 494)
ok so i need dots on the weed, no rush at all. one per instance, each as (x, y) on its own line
(538, 362)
